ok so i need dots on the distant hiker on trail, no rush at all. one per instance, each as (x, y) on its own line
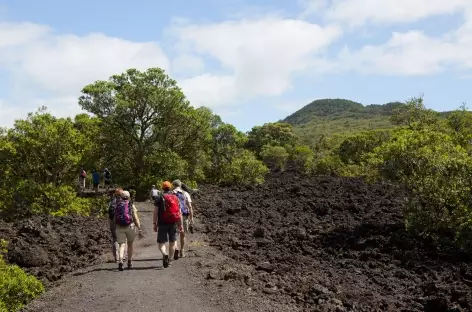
(96, 179)
(107, 179)
(82, 176)
(153, 194)
(126, 219)
(167, 219)
(187, 212)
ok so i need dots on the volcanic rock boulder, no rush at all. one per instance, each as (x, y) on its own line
(49, 247)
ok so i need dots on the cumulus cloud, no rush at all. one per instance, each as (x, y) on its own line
(359, 12)
(41, 63)
(260, 55)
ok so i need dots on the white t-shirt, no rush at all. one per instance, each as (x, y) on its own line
(154, 192)
(187, 195)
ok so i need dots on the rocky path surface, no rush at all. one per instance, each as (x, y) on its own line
(147, 287)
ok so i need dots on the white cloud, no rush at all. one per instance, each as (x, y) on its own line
(359, 12)
(41, 62)
(186, 65)
(261, 55)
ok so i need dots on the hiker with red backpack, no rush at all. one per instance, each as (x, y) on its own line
(167, 220)
(187, 213)
(126, 220)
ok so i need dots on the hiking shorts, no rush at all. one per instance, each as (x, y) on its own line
(125, 233)
(167, 233)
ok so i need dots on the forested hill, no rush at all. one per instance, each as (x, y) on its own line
(339, 116)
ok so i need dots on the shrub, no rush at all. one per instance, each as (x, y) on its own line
(274, 156)
(16, 287)
(437, 172)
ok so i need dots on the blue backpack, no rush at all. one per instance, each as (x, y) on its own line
(183, 206)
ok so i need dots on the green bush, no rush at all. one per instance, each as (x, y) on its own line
(244, 169)
(16, 287)
(438, 174)
(274, 156)
(302, 157)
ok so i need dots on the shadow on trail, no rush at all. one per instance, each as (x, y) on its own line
(150, 268)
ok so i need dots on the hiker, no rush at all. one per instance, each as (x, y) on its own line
(126, 219)
(96, 179)
(111, 214)
(153, 194)
(167, 219)
(187, 212)
(107, 179)
(82, 176)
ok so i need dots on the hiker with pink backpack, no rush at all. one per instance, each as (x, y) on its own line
(126, 220)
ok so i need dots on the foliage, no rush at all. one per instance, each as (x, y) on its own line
(274, 156)
(245, 169)
(302, 157)
(274, 134)
(16, 287)
(437, 172)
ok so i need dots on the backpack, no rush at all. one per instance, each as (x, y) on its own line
(83, 174)
(171, 213)
(183, 206)
(107, 175)
(123, 211)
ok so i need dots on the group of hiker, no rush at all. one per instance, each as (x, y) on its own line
(96, 177)
(172, 219)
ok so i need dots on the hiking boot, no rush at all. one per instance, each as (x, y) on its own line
(176, 255)
(120, 266)
(129, 265)
(165, 261)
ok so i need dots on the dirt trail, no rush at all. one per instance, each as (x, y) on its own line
(148, 287)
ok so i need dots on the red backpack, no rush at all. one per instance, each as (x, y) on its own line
(171, 212)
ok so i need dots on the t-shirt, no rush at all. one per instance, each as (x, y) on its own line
(186, 194)
(154, 192)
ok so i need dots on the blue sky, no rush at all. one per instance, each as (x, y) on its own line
(251, 62)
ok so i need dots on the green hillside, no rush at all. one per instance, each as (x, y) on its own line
(339, 116)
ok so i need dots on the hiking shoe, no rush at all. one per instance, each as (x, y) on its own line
(165, 261)
(182, 253)
(120, 266)
(129, 265)
(176, 255)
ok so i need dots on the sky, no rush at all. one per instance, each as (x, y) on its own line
(251, 62)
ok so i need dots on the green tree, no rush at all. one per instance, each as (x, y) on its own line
(437, 171)
(275, 134)
(414, 115)
(302, 157)
(145, 112)
(47, 149)
(274, 156)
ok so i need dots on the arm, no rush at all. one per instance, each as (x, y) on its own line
(189, 205)
(136, 218)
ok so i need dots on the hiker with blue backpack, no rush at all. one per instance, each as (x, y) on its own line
(187, 214)
(126, 221)
(167, 222)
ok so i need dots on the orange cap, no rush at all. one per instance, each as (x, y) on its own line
(166, 185)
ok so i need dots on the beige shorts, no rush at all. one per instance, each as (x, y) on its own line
(185, 223)
(125, 233)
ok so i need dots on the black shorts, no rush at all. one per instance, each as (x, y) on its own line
(95, 184)
(167, 233)
(107, 182)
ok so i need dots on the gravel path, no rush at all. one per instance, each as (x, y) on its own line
(148, 287)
